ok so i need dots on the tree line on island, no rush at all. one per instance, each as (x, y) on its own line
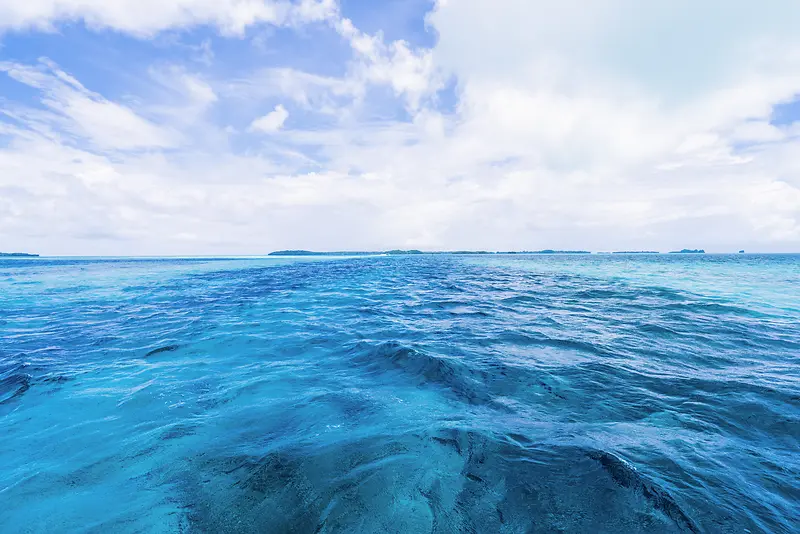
(398, 252)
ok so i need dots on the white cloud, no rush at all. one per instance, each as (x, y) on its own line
(323, 94)
(271, 122)
(147, 17)
(71, 107)
(603, 80)
(315, 10)
(410, 73)
(600, 125)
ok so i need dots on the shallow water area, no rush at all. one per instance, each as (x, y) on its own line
(401, 394)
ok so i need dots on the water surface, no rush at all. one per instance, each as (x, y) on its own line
(401, 394)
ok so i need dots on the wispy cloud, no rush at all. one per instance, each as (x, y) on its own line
(232, 17)
(71, 108)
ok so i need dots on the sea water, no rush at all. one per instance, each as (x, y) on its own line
(407, 394)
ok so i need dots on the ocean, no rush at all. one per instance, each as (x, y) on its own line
(408, 394)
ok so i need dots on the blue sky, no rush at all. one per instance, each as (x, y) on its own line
(244, 126)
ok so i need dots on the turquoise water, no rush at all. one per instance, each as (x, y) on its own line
(401, 394)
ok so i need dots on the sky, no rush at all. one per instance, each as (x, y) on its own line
(193, 127)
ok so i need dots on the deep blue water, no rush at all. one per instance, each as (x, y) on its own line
(401, 394)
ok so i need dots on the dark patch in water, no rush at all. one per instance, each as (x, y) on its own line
(56, 379)
(161, 350)
(474, 478)
(177, 431)
(14, 386)
(453, 481)
(449, 442)
(627, 477)
(349, 404)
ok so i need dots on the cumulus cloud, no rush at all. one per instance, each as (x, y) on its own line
(617, 78)
(271, 122)
(410, 73)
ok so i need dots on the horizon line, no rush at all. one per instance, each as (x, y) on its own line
(285, 254)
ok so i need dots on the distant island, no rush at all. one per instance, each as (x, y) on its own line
(689, 251)
(340, 253)
(416, 252)
(637, 252)
(17, 255)
(548, 251)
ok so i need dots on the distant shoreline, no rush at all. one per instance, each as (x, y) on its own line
(620, 256)
(310, 253)
(469, 252)
(418, 252)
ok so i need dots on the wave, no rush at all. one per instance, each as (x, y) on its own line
(422, 368)
(13, 386)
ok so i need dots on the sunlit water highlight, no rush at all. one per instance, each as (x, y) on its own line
(401, 394)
